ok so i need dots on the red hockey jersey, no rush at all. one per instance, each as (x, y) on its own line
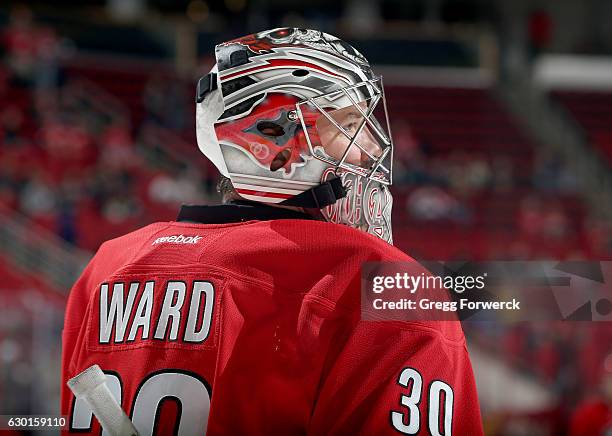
(246, 320)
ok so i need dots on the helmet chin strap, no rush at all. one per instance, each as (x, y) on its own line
(318, 197)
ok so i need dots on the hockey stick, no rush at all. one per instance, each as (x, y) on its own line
(91, 386)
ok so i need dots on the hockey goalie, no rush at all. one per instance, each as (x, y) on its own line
(244, 318)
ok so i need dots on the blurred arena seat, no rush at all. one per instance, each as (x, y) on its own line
(591, 109)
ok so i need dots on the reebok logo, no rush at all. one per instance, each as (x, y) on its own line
(178, 239)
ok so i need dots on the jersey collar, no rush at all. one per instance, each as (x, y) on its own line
(235, 212)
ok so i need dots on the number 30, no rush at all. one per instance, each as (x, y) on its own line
(192, 392)
(410, 377)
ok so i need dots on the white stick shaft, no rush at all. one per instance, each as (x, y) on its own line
(91, 386)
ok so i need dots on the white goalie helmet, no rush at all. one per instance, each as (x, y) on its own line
(295, 117)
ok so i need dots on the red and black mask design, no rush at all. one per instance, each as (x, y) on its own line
(264, 42)
(272, 134)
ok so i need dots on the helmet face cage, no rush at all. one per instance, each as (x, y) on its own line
(363, 101)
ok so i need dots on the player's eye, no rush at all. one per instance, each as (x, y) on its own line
(350, 127)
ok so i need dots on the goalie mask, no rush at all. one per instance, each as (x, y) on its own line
(295, 117)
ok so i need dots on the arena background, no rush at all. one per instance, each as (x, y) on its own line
(502, 116)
